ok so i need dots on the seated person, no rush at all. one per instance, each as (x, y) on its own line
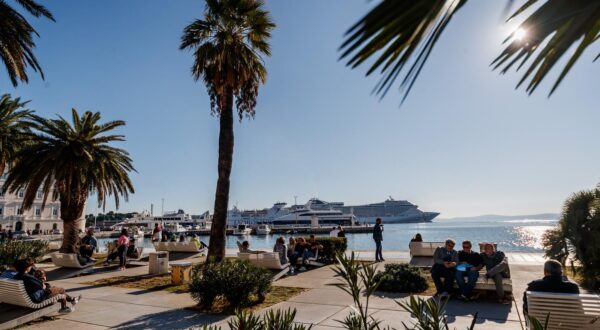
(469, 265)
(496, 266)
(173, 238)
(553, 281)
(333, 232)
(341, 232)
(311, 252)
(71, 249)
(417, 238)
(245, 248)
(88, 245)
(132, 251)
(281, 249)
(199, 243)
(38, 290)
(445, 260)
(181, 238)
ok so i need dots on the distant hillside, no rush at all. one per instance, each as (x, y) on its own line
(489, 217)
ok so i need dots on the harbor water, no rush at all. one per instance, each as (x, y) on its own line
(523, 235)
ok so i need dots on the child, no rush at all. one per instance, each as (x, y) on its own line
(40, 274)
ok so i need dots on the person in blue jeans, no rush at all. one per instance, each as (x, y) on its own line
(378, 237)
(469, 265)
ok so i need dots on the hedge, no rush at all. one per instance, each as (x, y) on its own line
(401, 278)
(233, 280)
(14, 250)
(332, 246)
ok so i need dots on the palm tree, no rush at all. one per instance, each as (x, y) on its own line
(228, 43)
(16, 39)
(13, 125)
(401, 34)
(68, 162)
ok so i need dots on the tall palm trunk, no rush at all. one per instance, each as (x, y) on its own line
(71, 210)
(218, 231)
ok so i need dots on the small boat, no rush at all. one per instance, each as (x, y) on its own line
(263, 230)
(242, 230)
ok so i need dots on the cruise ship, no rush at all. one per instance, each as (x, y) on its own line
(390, 211)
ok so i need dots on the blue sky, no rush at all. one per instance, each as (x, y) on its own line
(464, 143)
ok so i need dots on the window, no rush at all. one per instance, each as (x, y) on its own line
(54, 226)
(38, 211)
(54, 211)
(20, 211)
(1, 192)
(1, 210)
(21, 193)
(38, 195)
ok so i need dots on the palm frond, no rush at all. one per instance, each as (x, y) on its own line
(551, 31)
(16, 40)
(397, 33)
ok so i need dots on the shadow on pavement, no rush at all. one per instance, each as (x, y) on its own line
(174, 319)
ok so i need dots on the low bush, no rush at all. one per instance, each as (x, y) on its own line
(271, 320)
(14, 250)
(402, 278)
(235, 281)
(332, 246)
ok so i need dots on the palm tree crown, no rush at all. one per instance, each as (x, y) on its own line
(69, 161)
(228, 43)
(13, 125)
(16, 39)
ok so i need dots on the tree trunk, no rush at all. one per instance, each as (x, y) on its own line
(218, 231)
(71, 211)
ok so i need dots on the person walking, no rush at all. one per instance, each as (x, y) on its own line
(378, 237)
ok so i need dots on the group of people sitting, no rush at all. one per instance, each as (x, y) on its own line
(295, 249)
(464, 266)
(36, 286)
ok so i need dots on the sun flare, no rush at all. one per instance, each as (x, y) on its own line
(519, 34)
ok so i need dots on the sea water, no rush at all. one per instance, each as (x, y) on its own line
(523, 235)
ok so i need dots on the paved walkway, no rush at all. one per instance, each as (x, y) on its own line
(122, 308)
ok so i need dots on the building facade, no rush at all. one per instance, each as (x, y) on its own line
(12, 215)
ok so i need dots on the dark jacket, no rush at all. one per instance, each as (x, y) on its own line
(377, 232)
(473, 258)
(493, 260)
(441, 255)
(33, 286)
(90, 240)
(550, 284)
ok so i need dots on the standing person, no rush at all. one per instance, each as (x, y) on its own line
(281, 249)
(469, 265)
(497, 269)
(444, 266)
(156, 233)
(122, 245)
(378, 237)
(341, 232)
(88, 245)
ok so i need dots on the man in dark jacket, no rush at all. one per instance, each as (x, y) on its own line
(469, 265)
(378, 237)
(553, 281)
(445, 260)
(496, 266)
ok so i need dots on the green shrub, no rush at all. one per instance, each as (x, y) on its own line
(233, 280)
(271, 320)
(14, 250)
(402, 278)
(332, 246)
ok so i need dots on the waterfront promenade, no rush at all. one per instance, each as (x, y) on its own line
(122, 308)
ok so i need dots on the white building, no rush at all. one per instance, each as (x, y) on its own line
(12, 215)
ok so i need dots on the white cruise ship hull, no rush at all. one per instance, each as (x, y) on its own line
(412, 218)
